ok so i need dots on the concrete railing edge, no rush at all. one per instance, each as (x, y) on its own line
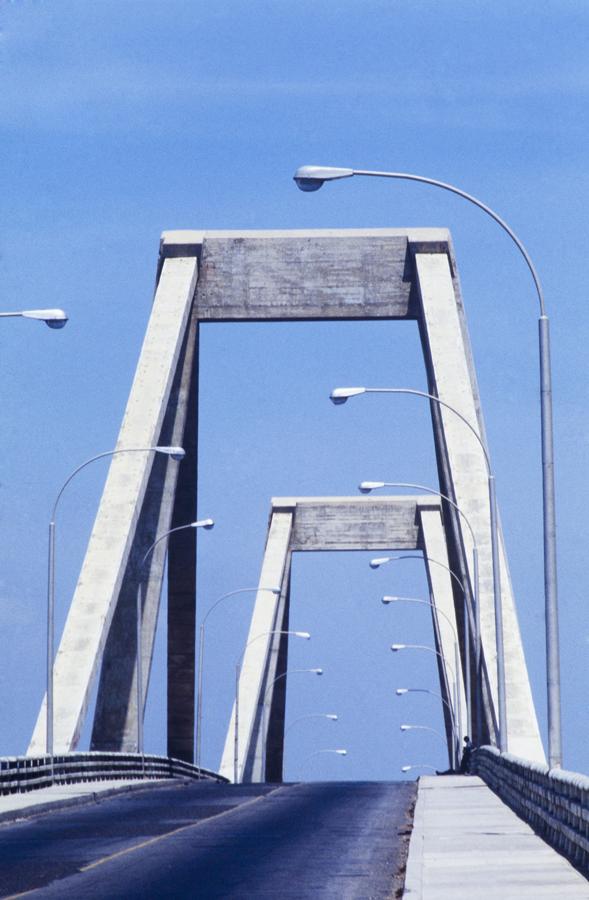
(19, 774)
(554, 802)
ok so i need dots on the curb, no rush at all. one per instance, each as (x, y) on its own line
(414, 871)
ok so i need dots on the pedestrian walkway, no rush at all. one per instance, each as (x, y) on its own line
(467, 843)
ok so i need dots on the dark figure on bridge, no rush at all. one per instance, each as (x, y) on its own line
(466, 755)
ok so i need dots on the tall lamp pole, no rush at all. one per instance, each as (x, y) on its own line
(311, 178)
(202, 523)
(176, 453)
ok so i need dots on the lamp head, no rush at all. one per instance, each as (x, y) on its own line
(387, 599)
(311, 178)
(396, 647)
(340, 395)
(316, 671)
(400, 691)
(204, 523)
(331, 716)
(405, 727)
(302, 634)
(406, 768)
(379, 561)
(366, 486)
(55, 318)
(342, 752)
(176, 453)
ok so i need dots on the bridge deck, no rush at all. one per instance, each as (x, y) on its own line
(467, 843)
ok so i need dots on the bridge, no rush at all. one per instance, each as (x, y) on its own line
(108, 640)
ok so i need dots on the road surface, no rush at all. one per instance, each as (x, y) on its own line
(332, 840)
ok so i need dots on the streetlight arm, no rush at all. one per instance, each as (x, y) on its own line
(416, 393)
(406, 176)
(388, 599)
(366, 486)
(204, 523)
(232, 594)
(100, 456)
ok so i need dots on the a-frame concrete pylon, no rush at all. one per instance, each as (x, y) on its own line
(261, 276)
(307, 524)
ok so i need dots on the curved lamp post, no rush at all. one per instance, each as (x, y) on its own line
(396, 647)
(394, 599)
(400, 692)
(376, 563)
(314, 671)
(310, 178)
(301, 634)
(333, 717)
(201, 650)
(366, 487)
(55, 318)
(423, 728)
(341, 395)
(455, 718)
(202, 523)
(176, 453)
(340, 752)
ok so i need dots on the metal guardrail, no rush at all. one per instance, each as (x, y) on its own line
(554, 802)
(29, 773)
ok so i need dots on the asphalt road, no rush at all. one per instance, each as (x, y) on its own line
(333, 840)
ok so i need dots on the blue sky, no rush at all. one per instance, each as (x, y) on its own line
(120, 120)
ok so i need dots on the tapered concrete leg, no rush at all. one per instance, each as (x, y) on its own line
(182, 579)
(444, 619)
(464, 477)
(260, 643)
(115, 719)
(106, 560)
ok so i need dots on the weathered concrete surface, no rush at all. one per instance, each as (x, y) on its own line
(467, 843)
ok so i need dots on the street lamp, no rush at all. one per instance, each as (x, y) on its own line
(273, 590)
(55, 318)
(400, 692)
(341, 395)
(202, 523)
(331, 716)
(397, 647)
(310, 178)
(300, 634)
(176, 453)
(340, 752)
(418, 766)
(383, 560)
(315, 671)
(423, 728)
(388, 598)
(366, 487)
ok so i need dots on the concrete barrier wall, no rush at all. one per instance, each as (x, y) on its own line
(28, 773)
(554, 802)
